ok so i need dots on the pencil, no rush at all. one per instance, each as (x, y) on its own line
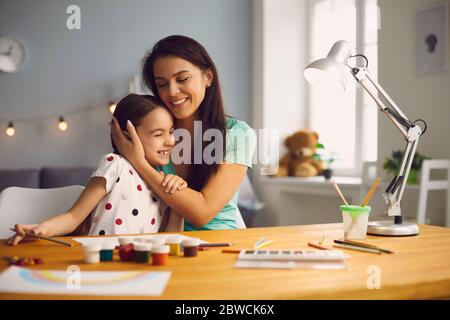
(356, 248)
(339, 191)
(45, 238)
(231, 250)
(364, 245)
(369, 194)
(263, 244)
(215, 244)
(317, 246)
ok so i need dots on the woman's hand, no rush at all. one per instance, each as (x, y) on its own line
(20, 235)
(128, 143)
(172, 183)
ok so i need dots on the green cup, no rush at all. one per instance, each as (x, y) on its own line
(355, 219)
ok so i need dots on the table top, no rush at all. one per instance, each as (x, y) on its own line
(419, 268)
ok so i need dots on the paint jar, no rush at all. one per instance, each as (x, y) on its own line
(355, 219)
(92, 253)
(190, 247)
(157, 242)
(142, 240)
(142, 252)
(124, 241)
(106, 254)
(174, 243)
(160, 255)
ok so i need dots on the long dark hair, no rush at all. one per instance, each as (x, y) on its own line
(210, 111)
(133, 107)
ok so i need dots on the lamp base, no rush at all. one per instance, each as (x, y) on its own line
(391, 229)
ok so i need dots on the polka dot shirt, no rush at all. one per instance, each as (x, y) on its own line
(129, 206)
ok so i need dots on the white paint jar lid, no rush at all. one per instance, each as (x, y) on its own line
(161, 249)
(123, 241)
(193, 242)
(108, 246)
(94, 247)
(142, 246)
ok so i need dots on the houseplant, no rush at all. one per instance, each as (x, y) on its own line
(392, 165)
(327, 158)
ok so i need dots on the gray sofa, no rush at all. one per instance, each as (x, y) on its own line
(47, 177)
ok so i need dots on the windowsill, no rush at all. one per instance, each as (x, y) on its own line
(318, 181)
(319, 185)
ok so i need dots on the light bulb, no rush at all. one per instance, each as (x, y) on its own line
(62, 124)
(10, 131)
(112, 107)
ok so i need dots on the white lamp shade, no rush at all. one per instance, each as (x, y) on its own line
(328, 73)
(7, 64)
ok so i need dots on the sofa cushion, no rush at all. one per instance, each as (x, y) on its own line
(53, 177)
(25, 178)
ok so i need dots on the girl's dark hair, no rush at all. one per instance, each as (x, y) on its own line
(210, 111)
(133, 107)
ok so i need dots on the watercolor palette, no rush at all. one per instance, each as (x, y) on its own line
(292, 255)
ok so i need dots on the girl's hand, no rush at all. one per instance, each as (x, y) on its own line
(20, 235)
(172, 183)
(128, 143)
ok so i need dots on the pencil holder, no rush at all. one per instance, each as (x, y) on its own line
(355, 219)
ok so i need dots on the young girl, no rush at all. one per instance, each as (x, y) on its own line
(182, 75)
(122, 201)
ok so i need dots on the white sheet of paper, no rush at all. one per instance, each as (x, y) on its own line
(107, 283)
(101, 240)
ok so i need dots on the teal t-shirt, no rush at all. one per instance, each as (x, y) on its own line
(240, 147)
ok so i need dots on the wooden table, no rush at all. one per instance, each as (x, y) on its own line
(419, 268)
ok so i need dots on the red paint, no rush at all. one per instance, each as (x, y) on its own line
(160, 259)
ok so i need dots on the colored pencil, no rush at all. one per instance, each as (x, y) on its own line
(231, 250)
(46, 238)
(215, 244)
(363, 245)
(259, 241)
(317, 246)
(263, 244)
(369, 194)
(356, 248)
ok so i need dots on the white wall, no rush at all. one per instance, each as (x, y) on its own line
(70, 70)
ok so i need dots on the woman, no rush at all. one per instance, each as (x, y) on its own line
(183, 77)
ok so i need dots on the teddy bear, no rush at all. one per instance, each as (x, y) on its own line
(299, 161)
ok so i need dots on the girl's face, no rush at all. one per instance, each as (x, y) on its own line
(156, 134)
(181, 85)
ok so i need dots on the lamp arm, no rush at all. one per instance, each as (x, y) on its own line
(411, 132)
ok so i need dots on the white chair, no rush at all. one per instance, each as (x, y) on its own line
(29, 206)
(247, 201)
(428, 185)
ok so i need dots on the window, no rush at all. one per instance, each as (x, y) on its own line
(347, 124)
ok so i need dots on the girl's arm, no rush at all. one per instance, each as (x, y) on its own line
(66, 223)
(198, 207)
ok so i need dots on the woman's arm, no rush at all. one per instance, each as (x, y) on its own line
(67, 222)
(197, 207)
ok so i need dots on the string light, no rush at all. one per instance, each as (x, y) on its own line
(62, 124)
(10, 131)
(112, 107)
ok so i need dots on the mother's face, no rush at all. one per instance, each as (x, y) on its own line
(181, 85)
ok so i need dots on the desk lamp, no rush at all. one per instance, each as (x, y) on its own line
(329, 73)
